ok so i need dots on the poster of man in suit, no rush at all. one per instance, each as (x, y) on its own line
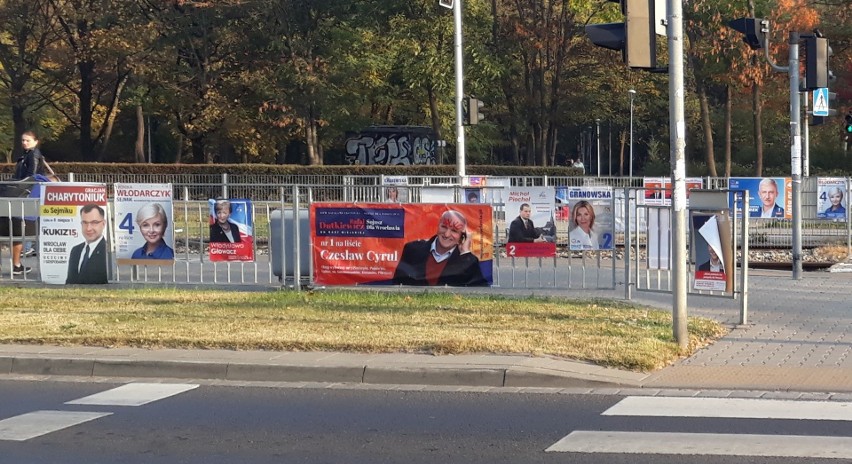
(532, 233)
(72, 238)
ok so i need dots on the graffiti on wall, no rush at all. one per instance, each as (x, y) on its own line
(390, 149)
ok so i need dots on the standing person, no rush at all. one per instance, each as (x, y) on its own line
(836, 210)
(767, 191)
(444, 259)
(223, 230)
(583, 235)
(522, 228)
(153, 222)
(31, 161)
(88, 261)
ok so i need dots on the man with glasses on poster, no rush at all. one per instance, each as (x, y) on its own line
(87, 263)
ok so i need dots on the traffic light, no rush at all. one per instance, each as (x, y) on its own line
(472, 111)
(848, 126)
(753, 29)
(817, 74)
(636, 37)
(475, 107)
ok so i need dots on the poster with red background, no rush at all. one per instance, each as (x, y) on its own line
(357, 244)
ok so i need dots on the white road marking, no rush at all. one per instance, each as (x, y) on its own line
(135, 394)
(38, 423)
(738, 408)
(705, 444)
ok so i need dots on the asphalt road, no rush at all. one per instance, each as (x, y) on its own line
(228, 424)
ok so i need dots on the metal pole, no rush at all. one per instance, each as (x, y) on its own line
(460, 147)
(796, 153)
(598, 143)
(806, 144)
(632, 94)
(677, 137)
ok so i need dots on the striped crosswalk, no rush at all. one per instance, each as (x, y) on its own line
(35, 424)
(719, 444)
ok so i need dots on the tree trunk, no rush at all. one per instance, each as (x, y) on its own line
(87, 77)
(20, 124)
(434, 113)
(139, 147)
(198, 151)
(623, 136)
(728, 123)
(757, 115)
(106, 129)
(710, 156)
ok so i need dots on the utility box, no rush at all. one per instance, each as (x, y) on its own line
(288, 242)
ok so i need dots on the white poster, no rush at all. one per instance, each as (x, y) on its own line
(659, 230)
(395, 189)
(73, 247)
(144, 233)
(831, 198)
(589, 211)
(437, 195)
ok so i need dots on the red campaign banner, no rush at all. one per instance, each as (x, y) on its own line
(241, 251)
(531, 250)
(390, 244)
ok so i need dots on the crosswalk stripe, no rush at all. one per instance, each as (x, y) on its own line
(35, 424)
(738, 408)
(134, 394)
(705, 444)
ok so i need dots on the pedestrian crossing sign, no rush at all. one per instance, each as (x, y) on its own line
(820, 102)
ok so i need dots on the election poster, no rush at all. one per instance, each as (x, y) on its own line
(590, 217)
(404, 244)
(531, 222)
(712, 252)
(769, 197)
(831, 198)
(73, 247)
(395, 189)
(231, 231)
(144, 231)
(658, 190)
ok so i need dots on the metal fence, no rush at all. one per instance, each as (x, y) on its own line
(567, 270)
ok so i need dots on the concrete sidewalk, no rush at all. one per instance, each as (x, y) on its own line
(797, 340)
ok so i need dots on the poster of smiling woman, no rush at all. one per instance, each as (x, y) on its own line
(831, 198)
(231, 231)
(144, 233)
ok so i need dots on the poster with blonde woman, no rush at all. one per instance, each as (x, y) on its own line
(144, 233)
(590, 217)
(831, 198)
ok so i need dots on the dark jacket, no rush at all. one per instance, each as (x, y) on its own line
(462, 270)
(518, 232)
(217, 235)
(95, 270)
(30, 163)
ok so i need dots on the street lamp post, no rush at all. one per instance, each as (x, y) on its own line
(632, 94)
(598, 143)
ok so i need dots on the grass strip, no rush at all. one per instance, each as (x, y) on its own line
(603, 332)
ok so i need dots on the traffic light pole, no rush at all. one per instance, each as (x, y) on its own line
(459, 55)
(792, 69)
(677, 141)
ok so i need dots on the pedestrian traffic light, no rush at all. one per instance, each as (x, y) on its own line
(636, 37)
(753, 29)
(817, 53)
